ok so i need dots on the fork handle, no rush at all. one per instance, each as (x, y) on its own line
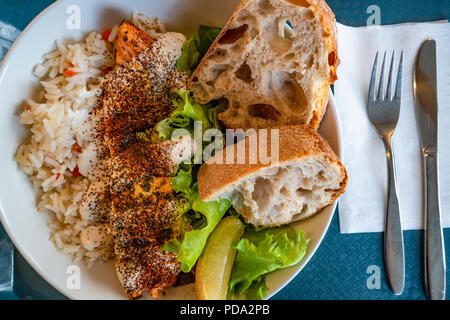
(434, 242)
(394, 256)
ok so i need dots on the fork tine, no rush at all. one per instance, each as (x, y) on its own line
(380, 89)
(389, 87)
(398, 90)
(372, 79)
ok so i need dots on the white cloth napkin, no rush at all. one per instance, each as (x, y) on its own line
(362, 207)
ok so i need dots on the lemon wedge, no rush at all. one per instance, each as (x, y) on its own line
(215, 263)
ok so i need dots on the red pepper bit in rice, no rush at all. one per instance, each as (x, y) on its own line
(27, 108)
(76, 172)
(76, 147)
(106, 34)
(70, 73)
(58, 175)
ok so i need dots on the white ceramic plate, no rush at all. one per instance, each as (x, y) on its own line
(27, 227)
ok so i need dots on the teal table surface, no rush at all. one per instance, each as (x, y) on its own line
(344, 265)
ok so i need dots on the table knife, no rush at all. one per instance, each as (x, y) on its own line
(426, 107)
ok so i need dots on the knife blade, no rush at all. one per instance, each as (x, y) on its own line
(426, 108)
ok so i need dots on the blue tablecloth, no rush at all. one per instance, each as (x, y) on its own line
(343, 264)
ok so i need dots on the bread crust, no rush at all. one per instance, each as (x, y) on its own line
(214, 44)
(328, 22)
(321, 107)
(295, 142)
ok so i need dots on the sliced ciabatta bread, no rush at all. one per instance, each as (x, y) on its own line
(274, 62)
(306, 177)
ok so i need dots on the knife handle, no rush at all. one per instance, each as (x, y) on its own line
(435, 270)
(394, 255)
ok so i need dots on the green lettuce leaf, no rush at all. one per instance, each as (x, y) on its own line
(187, 108)
(187, 111)
(190, 55)
(183, 184)
(206, 36)
(172, 246)
(257, 290)
(164, 128)
(213, 111)
(191, 246)
(194, 241)
(196, 220)
(261, 252)
(202, 218)
(196, 47)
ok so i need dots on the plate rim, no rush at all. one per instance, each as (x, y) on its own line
(3, 219)
(56, 285)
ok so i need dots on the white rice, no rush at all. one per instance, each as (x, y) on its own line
(55, 120)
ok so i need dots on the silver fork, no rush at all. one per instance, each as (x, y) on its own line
(384, 111)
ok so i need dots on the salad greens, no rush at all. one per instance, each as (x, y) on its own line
(196, 47)
(202, 220)
(187, 111)
(195, 240)
(182, 183)
(202, 217)
(261, 252)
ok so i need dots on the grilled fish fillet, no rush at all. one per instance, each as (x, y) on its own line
(144, 211)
